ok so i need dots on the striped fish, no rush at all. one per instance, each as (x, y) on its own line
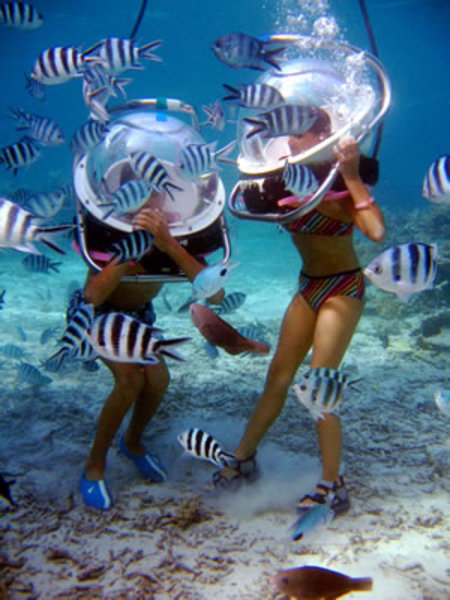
(120, 54)
(98, 87)
(58, 65)
(231, 302)
(321, 391)
(20, 15)
(46, 204)
(28, 373)
(88, 135)
(257, 95)
(20, 229)
(20, 154)
(120, 338)
(202, 445)
(48, 333)
(38, 263)
(240, 50)
(148, 167)
(43, 130)
(128, 198)
(20, 196)
(196, 160)
(12, 351)
(289, 119)
(299, 179)
(405, 269)
(132, 246)
(436, 184)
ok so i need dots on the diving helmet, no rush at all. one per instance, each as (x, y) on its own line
(193, 208)
(349, 91)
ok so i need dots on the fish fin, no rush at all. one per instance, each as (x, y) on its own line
(234, 93)
(258, 127)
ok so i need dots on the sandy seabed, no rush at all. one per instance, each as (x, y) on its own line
(177, 540)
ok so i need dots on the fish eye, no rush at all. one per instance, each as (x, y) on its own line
(223, 272)
(378, 269)
(303, 387)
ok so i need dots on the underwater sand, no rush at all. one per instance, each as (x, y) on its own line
(176, 541)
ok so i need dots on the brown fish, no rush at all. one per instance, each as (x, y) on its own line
(316, 583)
(219, 333)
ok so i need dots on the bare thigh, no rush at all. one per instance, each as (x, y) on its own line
(336, 323)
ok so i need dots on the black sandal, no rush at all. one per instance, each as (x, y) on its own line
(243, 471)
(333, 494)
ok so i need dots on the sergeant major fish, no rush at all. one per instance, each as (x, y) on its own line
(128, 198)
(88, 135)
(58, 65)
(118, 54)
(202, 445)
(240, 50)
(196, 160)
(149, 168)
(405, 269)
(20, 15)
(288, 119)
(256, 95)
(19, 154)
(38, 263)
(299, 179)
(19, 229)
(132, 246)
(436, 184)
(42, 129)
(119, 337)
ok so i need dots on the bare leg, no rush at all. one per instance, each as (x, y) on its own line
(295, 339)
(156, 383)
(336, 323)
(129, 382)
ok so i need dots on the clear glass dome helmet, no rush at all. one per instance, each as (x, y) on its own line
(105, 167)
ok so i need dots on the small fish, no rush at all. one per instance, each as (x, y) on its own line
(28, 373)
(87, 136)
(256, 95)
(196, 160)
(38, 263)
(311, 520)
(216, 116)
(436, 184)
(91, 366)
(42, 129)
(200, 444)
(48, 333)
(19, 154)
(128, 198)
(5, 491)
(121, 338)
(2, 298)
(442, 400)
(317, 583)
(132, 246)
(119, 54)
(12, 351)
(20, 196)
(299, 179)
(230, 303)
(148, 167)
(46, 204)
(58, 65)
(405, 269)
(210, 280)
(219, 333)
(20, 15)
(288, 119)
(321, 391)
(34, 88)
(20, 229)
(239, 50)
(98, 87)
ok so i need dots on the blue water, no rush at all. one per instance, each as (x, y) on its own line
(413, 43)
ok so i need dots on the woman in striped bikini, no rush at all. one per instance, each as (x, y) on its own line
(323, 316)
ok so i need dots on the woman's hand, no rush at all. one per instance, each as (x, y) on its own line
(347, 153)
(154, 221)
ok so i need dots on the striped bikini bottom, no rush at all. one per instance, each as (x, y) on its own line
(315, 290)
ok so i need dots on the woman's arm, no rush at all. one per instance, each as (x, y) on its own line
(99, 286)
(365, 213)
(154, 221)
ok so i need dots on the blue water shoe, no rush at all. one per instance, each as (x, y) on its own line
(95, 493)
(148, 465)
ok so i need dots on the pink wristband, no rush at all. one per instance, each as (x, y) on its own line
(365, 204)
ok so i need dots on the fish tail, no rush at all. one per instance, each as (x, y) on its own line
(222, 153)
(169, 186)
(164, 347)
(271, 56)
(44, 235)
(234, 93)
(55, 266)
(362, 584)
(144, 51)
(258, 127)
(227, 459)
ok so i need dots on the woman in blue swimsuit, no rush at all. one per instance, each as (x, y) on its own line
(322, 315)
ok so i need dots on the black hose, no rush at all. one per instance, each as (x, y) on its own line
(138, 20)
(374, 49)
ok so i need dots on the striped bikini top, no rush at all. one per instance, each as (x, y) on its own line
(315, 223)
